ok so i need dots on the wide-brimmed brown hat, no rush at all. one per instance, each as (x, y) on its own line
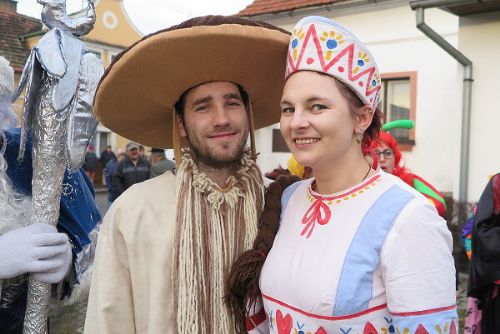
(137, 93)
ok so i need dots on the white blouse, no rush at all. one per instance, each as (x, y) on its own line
(375, 258)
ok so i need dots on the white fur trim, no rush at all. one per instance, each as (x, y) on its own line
(80, 290)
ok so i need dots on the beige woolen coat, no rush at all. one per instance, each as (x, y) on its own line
(131, 289)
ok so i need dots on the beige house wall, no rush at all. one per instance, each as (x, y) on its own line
(479, 40)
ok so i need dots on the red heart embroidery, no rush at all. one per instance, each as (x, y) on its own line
(369, 329)
(284, 324)
(321, 330)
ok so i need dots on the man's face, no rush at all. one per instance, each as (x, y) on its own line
(133, 154)
(215, 123)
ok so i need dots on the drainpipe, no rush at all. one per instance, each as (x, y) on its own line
(419, 7)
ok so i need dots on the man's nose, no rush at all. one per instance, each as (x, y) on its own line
(220, 116)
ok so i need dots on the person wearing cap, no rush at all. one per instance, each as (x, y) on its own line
(133, 169)
(159, 162)
(62, 254)
(357, 250)
(167, 244)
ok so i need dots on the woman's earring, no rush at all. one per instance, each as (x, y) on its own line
(359, 137)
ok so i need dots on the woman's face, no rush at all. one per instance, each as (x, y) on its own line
(316, 121)
(385, 157)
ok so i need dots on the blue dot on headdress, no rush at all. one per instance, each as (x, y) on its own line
(331, 44)
(295, 42)
(360, 62)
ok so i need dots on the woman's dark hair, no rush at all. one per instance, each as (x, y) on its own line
(181, 102)
(373, 130)
(243, 280)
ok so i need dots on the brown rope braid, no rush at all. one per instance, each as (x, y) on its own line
(243, 280)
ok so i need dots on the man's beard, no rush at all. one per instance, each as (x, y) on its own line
(212, 228)
(204, 155)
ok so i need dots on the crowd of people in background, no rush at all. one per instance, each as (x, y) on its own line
(126, 167)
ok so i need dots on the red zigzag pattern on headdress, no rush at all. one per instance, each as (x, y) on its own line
(349, 51)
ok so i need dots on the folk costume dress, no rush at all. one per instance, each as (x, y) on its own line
(375, 258)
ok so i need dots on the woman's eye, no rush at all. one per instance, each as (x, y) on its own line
(318, 107)
(287, 110)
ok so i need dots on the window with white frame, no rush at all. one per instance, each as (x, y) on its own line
(398, 101)
(100, 139)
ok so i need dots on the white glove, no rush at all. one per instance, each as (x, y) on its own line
(39, 249)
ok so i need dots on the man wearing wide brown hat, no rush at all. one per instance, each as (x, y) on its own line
(163, 256)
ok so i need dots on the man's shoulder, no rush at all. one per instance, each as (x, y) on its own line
(144, 201)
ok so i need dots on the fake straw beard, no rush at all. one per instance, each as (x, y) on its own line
(213, 227)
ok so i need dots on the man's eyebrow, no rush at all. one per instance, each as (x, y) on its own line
(233, 96)
(201, 100)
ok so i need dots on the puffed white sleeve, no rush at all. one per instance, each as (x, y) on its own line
(419, 273)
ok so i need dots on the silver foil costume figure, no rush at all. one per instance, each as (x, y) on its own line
(61, 77)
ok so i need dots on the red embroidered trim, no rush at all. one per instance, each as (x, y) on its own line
(320, 213)
(434, 310)
(331, 198)
(325, 317)
(255, 320)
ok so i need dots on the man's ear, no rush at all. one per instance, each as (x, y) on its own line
(180, 124)
(364, 118)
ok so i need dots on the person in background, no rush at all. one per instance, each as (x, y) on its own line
(484, 272)
(91, 163)
(389, 158)
(142, 151)
(107, 155)
(351, 249)
(133, 169)
(108, 174)
(159, 162)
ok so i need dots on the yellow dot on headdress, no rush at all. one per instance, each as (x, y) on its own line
(356, 69)
(328, 55)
